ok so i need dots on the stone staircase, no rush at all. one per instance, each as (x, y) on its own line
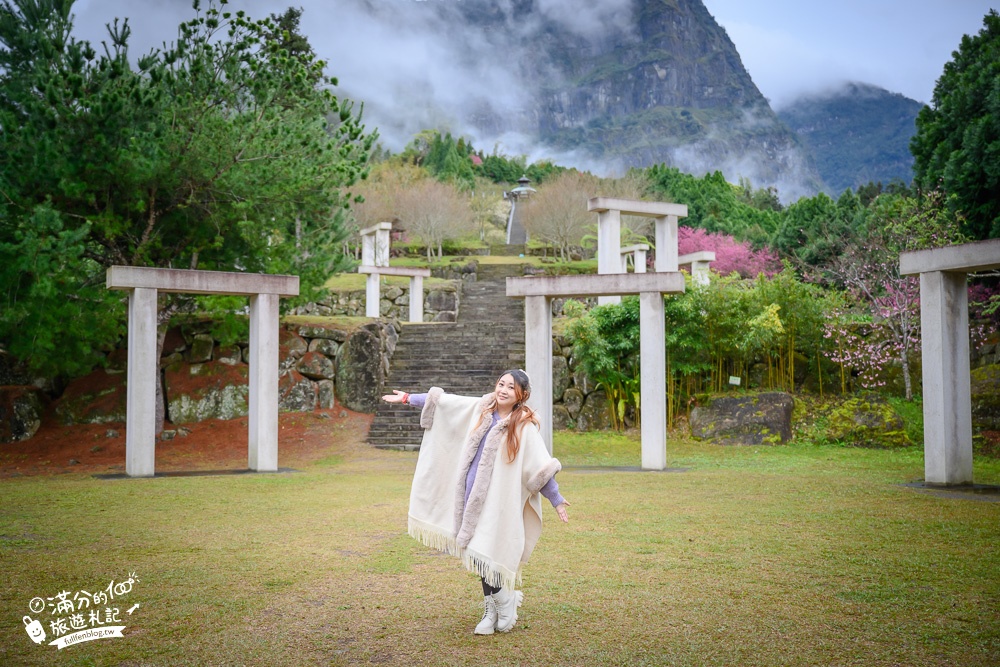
(464, 357)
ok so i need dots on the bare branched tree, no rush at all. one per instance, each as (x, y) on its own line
(557, 214)
(489, 210)
(380, 193)
(632, 185)
(434, 212)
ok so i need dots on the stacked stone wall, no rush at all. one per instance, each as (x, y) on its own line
(321, 364)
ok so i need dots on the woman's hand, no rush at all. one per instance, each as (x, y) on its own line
(561, 511)
(396, 396)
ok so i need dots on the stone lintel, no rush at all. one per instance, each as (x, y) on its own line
(396, 271)
(633, 248)
(383, 226)
(596, 284)
(700, 256)
(965, 258)
(200, 282)
(646, 209)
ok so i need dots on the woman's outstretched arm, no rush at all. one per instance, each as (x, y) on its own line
(397, 396)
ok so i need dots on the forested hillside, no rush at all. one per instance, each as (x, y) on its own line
(856, 134)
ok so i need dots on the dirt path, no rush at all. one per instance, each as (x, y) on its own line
(210, 445)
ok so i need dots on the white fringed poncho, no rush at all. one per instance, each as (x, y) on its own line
(495, 533)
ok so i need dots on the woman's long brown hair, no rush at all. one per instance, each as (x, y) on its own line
(519, 416)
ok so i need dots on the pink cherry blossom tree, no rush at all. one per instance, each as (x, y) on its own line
(730, 255)
(868, 268)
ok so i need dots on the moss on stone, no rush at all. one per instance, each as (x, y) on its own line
(867, 421)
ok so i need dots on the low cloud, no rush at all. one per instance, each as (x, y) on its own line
(785, 168)
(415, 64)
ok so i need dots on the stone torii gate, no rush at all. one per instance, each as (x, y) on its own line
(375, 263)
(944, 326)
(638, 254)
(609, 215)
(143, 284)
(699, 262)
(610, 284)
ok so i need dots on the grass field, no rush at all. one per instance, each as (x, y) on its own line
(791, 555)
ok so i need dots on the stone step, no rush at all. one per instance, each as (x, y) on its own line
(462, 373)
(471, 345)
(497, 298)
(420, 376)
(449, 352)
(449, 349)
(485, 340)
(446, 349)
(505, 250)
(491, 331)
(465, 368)
(493, 310)
(463, 357)
(458, 328)
(492, 339)
(418, 384)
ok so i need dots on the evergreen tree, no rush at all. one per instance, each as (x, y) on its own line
(714, 204)
(285, 34)
(957, 144)
(221, 151)
(812, 230)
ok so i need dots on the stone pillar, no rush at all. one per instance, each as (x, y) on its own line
(538, 360)
(666, 243)
(263, 427)
(944, 322)
(653, 373)
(372, 295)
(382, 243)
(416, 298)
(638, 254)
(609, 246)
(700, 273)
(143, 374)
(639, 260)
(367, 249)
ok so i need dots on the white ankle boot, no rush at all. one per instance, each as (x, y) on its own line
(489, 621)
(507, 602)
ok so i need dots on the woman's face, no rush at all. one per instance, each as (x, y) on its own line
(506, 392)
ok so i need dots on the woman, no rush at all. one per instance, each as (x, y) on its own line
(481, 467)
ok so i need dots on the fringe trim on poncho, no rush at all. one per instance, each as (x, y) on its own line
(431, 536)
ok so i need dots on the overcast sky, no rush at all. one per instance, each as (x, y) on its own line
(790, 46)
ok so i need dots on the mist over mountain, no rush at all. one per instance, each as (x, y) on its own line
(600, 84)
(857, 133)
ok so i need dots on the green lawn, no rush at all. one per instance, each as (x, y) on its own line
(791, 555)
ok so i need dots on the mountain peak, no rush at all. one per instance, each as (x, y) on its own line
(857, 133)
